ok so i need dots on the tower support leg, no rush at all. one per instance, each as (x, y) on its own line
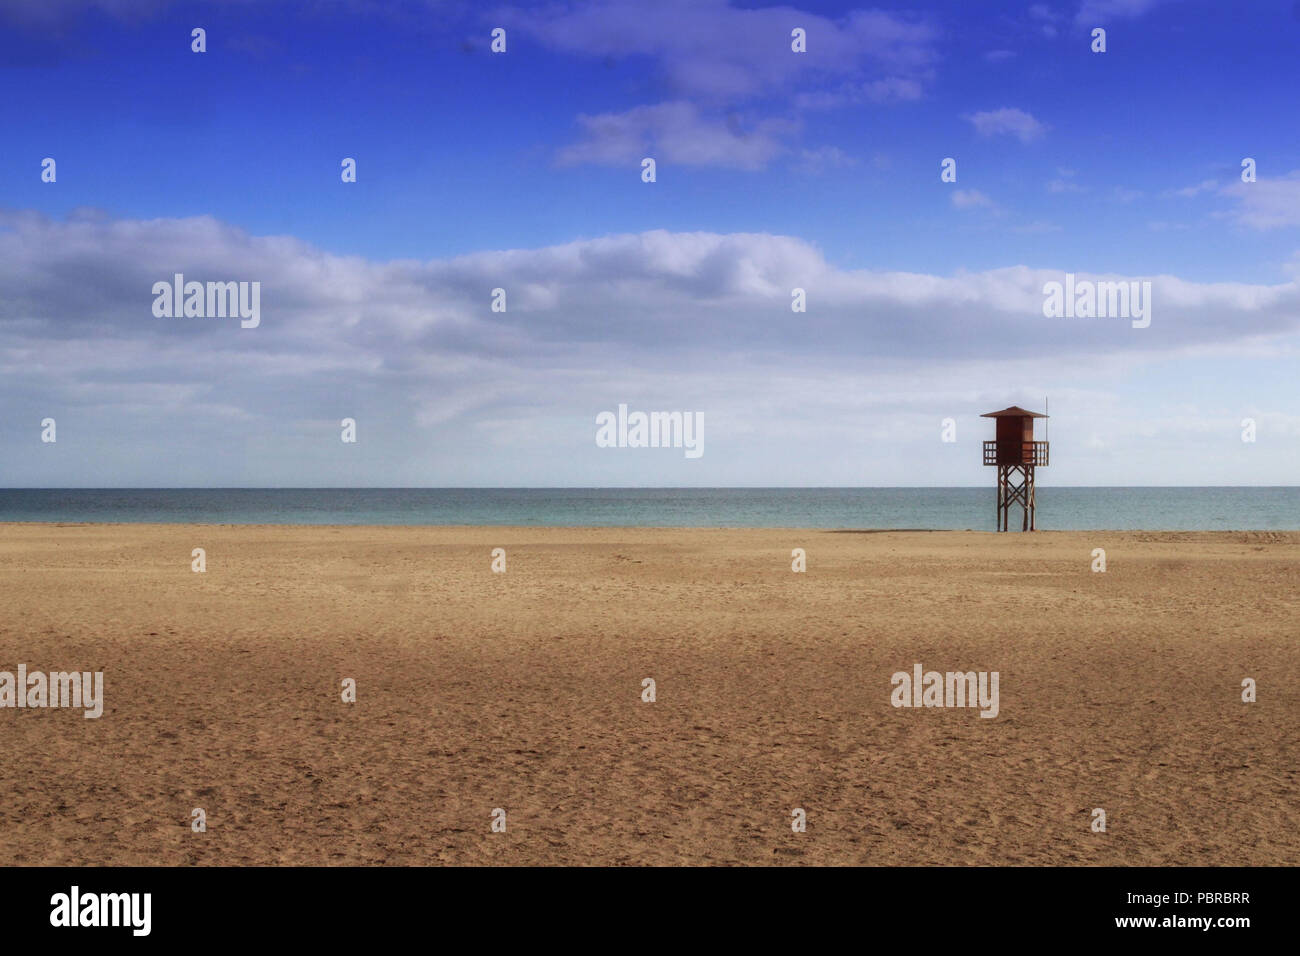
(1016, 492)
(1024, 498)
(1029, 498)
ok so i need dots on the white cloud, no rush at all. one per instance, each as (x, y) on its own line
(441, 386)
(90, 277)
(1267, 203)
(715, 58)
(971, 199)
(1007, 120)
(710, 49)
(676, 133)
(1093, 13)
(1037, 228)
(1187, 192)
(816, 161)
(890, 89)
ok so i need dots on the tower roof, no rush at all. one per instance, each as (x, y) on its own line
(1013, 411)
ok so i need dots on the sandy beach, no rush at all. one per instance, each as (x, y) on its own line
(522, 691)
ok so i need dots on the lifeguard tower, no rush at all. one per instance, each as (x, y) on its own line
(1016, 455)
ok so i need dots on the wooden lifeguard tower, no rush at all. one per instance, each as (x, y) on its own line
(1016, 454)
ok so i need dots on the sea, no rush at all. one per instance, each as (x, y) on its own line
(1059, 509)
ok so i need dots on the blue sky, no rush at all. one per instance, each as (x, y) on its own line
(774, 169)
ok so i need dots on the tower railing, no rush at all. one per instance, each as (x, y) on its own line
(1028, 453)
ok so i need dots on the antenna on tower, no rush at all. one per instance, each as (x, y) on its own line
(1047, 425)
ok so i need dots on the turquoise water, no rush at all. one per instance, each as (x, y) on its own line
(1060, 509)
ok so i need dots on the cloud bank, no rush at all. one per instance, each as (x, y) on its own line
(413, 350)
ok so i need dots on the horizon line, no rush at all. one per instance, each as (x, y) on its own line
(981, 487)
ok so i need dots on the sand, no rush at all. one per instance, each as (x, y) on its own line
(522, 691)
